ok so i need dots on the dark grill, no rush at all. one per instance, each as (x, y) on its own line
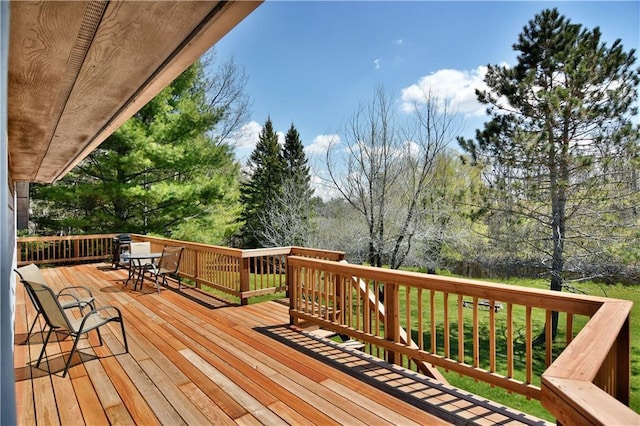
(121, 244)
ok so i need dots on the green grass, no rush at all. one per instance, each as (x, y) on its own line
(534, 407)
(498, 394)
(254, 283)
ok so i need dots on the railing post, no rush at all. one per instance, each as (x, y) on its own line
(285, 259)
(339, 292)
(292, 292)
(196, 268)
(244, 280)
(623, 364)
(392, 320)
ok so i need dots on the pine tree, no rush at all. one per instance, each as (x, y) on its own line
(287, 221)
(298, 176)
(266, 169)
(160, 173)
(560, 127)
(297, 163)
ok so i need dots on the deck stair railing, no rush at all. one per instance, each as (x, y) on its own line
(481, 330)
(373, 304)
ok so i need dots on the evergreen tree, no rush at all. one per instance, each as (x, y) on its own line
(297, 164)
(287, 221)
(559, 131)
(266, 169)
(159, 173)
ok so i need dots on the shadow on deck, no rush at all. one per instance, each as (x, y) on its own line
(196, 360)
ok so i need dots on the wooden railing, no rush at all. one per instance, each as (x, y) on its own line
(240, 273)
(467, 326)
(73, 248)
(463, 326)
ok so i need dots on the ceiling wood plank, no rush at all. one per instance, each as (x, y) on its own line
(42, 36)
(114, 69)
(78, 71)
(221, 20)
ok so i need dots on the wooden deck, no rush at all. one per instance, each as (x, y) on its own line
(211, 363)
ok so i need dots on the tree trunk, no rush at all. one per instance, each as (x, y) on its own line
(559, 178)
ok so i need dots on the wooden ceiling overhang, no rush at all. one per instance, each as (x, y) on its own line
(78, 70)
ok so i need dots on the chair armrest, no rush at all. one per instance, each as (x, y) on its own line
(106, 308)
(75, 288)
(102, 319)
(81, 294)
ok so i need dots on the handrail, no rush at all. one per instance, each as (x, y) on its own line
(575, 383)
(597, 355)
(68, 248)
(239, 273)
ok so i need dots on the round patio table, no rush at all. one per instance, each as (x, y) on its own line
(137, 265)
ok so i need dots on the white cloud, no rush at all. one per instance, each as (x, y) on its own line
(322, 188)
(412, 149)
(376, 63)
(399, 42)
(245, 140)
(321, 143)
(248, 135)
(316, 152)
(452, 87)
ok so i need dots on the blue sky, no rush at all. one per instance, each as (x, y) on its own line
(311, 63)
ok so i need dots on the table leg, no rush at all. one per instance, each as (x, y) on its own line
(137, 268)
(131, 271)
(140, 268)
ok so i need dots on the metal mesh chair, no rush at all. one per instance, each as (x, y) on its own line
(57, 319)
(134, 264)
(70, 297)
(119, 245)
(168, 264)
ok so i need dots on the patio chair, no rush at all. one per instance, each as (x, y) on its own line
(57, 319)
(134, 248)
(167, 265)
(70, 297)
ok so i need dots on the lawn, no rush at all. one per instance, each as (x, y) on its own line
(533, 407)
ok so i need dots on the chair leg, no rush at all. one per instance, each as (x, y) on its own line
(99, 335)
(44, 346)
(32, 326)
(124, 337)
(164, 280)
(130, 274)
(73, 350)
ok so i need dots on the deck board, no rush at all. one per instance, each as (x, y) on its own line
(88, 401)
(209, 363)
